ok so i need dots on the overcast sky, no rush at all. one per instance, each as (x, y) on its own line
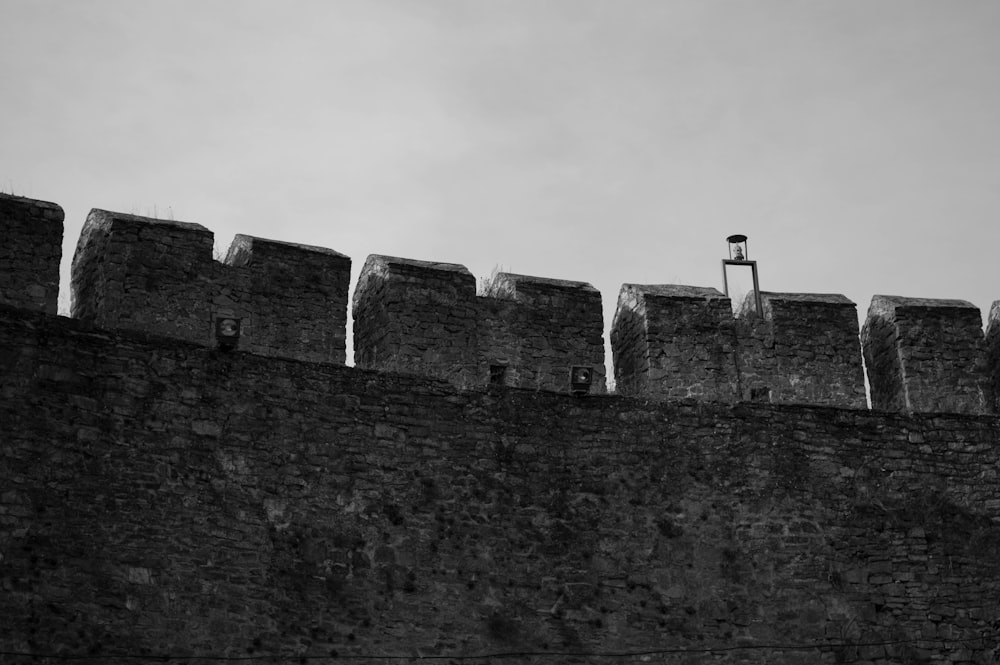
(856, 143)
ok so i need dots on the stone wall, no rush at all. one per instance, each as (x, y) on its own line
(416, 317)
(672, 341)
(159, 276)
(993, 358)
(668, 341)
(425, 318)
(925, 355)
(295, 297)
(803, 350)
(161, 498)
(539, 330)
(30, 253)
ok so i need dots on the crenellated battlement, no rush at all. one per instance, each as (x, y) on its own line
(676, 342)
(159, 276)
(422, 317)
(30, 253)
(668, 341)
(926, 355)
(804, 350)
(992, 344)
(415, 316)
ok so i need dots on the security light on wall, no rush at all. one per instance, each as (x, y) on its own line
(581, 377)
(739, 255)
(227, 332)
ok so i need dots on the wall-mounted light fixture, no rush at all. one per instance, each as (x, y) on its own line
(739, 255)
(227, 332)
(581, 377)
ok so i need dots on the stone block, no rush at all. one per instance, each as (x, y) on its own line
(538, 330)
(674, 342)
(141, 273)
(925, 355)
(296, 298)
(677, 342)
(416, 317)
(425, 318)
(804, 350)
(993, 358)
(159, 276)
(30, 253)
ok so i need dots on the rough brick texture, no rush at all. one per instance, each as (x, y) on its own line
(672, 341)
(163, 498)
(159, 276)
(804, 350)
(416, 317)
(925, 355)
(30, 253)
(540, 330)
(146, 274)
(993, 358)
(294, 295)
(425, 318)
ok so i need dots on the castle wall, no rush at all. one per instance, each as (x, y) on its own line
(425, 318)
(676, 342)
(668, 341)
(159, 276)
(144, 274)
(993, 358)
(163, 498)
(295, 297)
(540, 330)
(925, 355)
(416, 317)
(803, 350)
(30, 253)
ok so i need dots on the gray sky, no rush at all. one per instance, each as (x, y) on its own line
(856, 143)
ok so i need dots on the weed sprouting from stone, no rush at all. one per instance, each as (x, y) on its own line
(495, 286)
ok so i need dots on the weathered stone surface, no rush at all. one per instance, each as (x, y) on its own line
(805, 350)
(163, 498)
(416, 317)
(546, 327)
(144, 274)
(674, 341)
(425, 318)
(295, 297)
(159, 276)
(925, 355)
(993, 358)
(30, 252)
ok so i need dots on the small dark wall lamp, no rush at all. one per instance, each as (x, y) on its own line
(581, 377)
(227, 332)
